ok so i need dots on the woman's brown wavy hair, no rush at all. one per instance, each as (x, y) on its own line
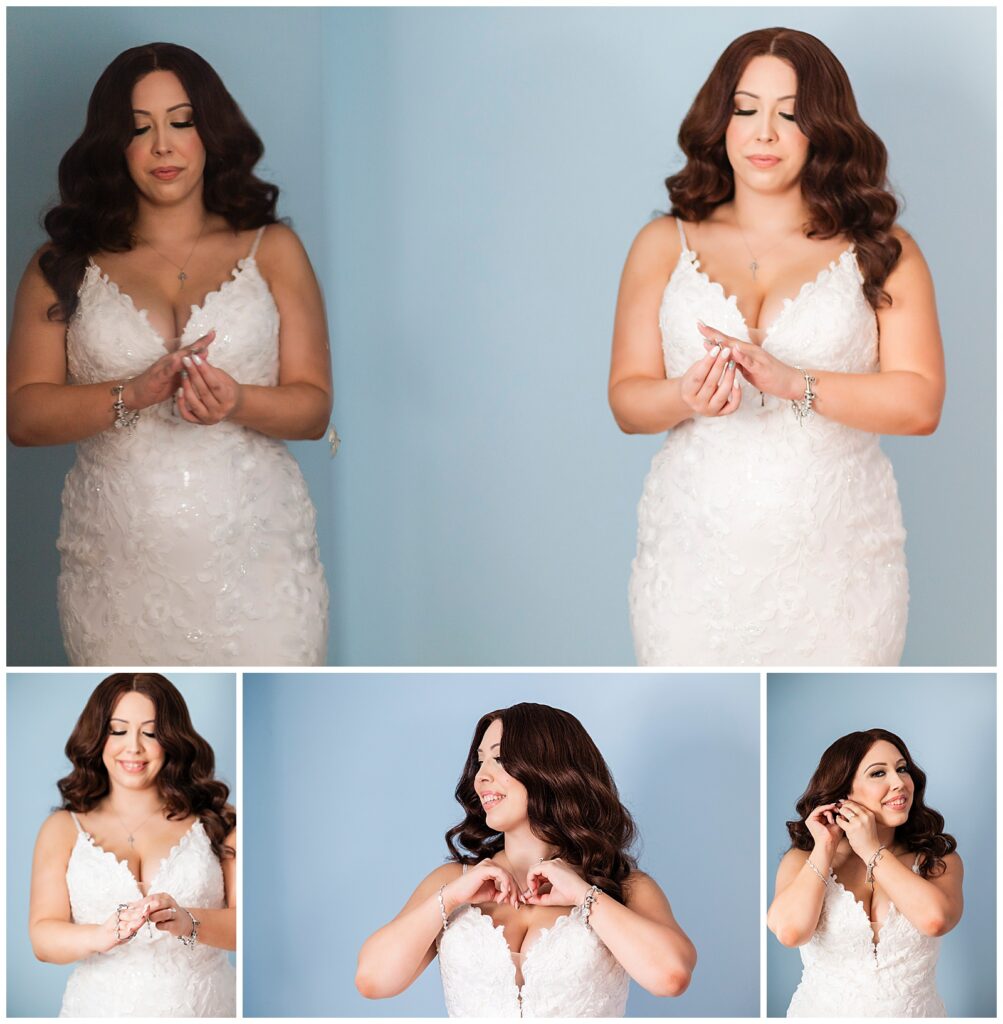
(844, 181)
(186, 782)
(923, 831)
(98, 205)
(572, 800)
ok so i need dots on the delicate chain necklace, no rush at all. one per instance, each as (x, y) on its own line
(182, 276)
(131, 832)
(754, 265)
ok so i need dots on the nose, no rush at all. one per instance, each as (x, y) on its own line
(160, 145)
(765, 128)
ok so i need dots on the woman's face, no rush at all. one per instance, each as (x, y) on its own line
(132, 756)
(883, 784)
(503, 798)
(166, 158)
(765, 147)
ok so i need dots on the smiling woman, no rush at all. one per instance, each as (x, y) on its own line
(769, 530)
(175, 332)
(135, 877)
(870, 883)
(542, 890)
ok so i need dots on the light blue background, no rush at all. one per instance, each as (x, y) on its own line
(948, 721)
(468, 182)
(352, 780)
(41, 713)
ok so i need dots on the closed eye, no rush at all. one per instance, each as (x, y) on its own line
(738, 112)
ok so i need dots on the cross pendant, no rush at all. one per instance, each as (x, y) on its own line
(132, 840)
(753, 266)
(182, 277)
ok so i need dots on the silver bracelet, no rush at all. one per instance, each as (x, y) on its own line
(824, 880)
(191, 941)
(802, 408)
(871, 864)
(590, 898)
(442, 910)
(124, 418)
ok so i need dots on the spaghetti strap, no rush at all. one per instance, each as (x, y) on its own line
(257, 242)
(464, 871)
(682, 234)
(915, 863)
(76, 822)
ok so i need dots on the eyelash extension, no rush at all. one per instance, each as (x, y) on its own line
(148, 735)
(174, 124)
(748, 113)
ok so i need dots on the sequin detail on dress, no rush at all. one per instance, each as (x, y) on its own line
(183, 544)
(760, 540)
(151, 975)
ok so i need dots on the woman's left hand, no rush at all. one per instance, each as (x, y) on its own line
(207, 394)
(168, 915)
(860, 827)
(764, 372)
(567, 887)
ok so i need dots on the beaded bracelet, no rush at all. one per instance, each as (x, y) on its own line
(590, 898)
(191, 941)
(123, 417)
(822, 878)
(802, 408)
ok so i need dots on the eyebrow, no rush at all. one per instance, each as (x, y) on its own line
(177, 106)
(884, 764)
(742, 92)
(492, 747)
(126, 720)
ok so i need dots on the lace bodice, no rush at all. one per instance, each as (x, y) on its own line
(567, 972)
(849, 974)
(762, 540)
(154, 974)
(183, 543)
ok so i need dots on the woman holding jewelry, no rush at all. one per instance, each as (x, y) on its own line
(769, 531)
(869, 885)
(541, 911)
(175, 332)
(134, 879)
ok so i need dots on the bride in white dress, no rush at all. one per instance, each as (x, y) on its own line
(774, 325)
(542, 912)
(869, 885)
(135, 879)
(175, 333)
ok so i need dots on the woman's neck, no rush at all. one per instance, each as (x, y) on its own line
(523, 851)
(130, 804)
(771, 214)
(178, 224)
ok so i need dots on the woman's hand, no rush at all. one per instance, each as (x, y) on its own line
(165, 913)
(566, 887)
(710, 386)
(486, 883)
(860, 827)
(824, 829)
(158, 382)
(764, 372)
(207, 394)
(119, 928)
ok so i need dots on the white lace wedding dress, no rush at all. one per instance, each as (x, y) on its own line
(567, 972)
(184, 544)
(848, 974)
(760, 540)
(152, 975)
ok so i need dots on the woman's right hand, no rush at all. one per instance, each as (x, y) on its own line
(485, 883)
(711, 386)
(821, 824)
(158, 382)
(117, 929)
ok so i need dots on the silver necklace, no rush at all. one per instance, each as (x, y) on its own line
(131, 832)
(182, 276)
(754, 265)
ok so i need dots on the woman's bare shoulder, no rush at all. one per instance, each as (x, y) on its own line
(57, 830)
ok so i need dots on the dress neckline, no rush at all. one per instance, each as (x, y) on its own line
(243, 264)
(688, 257)
(124, 864)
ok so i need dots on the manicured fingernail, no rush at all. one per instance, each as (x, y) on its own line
(184, 376)
(725, 352)
(731, 364)
(198, 362)
(186, 360)
(701, 323)
(179, 393)
(714, 351)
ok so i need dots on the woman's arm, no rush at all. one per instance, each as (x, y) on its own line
(55, 939)
(391, 958)
(299, 406)
(645, 938)
(798, 896)
(932, 905)
(905, 396)
(642, 399)
(41, 407)
(217, 927)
